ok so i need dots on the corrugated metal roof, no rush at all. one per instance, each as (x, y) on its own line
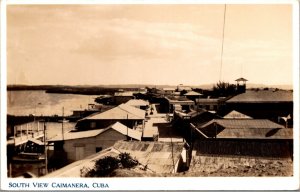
(92, 133)
(236, 115)
(124, 130)
(260, 133)
(122, 111)
(156, 155)
(192, 93)
(263, 96)
(78, 134)
(137, 102)
(243, 123)
(36, 141)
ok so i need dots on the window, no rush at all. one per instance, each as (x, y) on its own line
(93, 124)
(98, 149)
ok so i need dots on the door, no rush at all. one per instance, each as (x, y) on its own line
(79, 153)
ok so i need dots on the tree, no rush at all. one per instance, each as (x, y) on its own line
(105, 166)
(223, 89)
(127, 161)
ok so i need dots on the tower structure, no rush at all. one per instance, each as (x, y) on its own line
(241, 85)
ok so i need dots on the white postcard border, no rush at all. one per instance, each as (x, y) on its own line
(175, 183)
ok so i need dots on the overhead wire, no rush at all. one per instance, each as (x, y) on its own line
(221, 66)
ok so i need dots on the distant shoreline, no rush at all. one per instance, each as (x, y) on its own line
(82, 90)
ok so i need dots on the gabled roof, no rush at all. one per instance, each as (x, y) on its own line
(192, 93)
(241, 79)
(122, 111)
(263, 96)
(245, 129)
(78, 134)
(124, 130)
(38, 142)
(137, 102)
(236, 115)
(119, 127)
(243, 123)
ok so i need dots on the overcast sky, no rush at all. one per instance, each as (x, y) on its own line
(149, 44)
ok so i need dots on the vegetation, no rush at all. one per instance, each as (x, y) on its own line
(105, 166)
(223, 89)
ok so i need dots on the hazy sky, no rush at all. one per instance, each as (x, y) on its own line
(151, 44)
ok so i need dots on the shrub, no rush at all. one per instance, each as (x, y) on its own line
(127, 161)
(105, 166)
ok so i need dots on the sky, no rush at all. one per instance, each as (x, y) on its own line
(148, 44)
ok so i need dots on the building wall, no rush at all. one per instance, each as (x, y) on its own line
(208, 105)
(98, 124)
(262, 110)
(108, 138)
(104, 140)
(87, 143)
(268, 148)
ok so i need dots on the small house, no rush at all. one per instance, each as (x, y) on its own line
(263, 104)
(138, 103)
(80, 144)
(192, 95)
(153, 157)
(125, 114)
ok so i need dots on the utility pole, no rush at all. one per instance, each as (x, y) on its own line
(45, 148)
(62, 124)
(172, 152)
(127, 128)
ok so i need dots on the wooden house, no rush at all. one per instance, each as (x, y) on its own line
(244, 137)
(80, 144)
(263, 104)
(138, 103)
(125, 114)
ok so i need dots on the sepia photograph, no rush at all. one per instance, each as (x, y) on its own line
(153, 91)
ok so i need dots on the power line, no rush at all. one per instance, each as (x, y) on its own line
(224, 17)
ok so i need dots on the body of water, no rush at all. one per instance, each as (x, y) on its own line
(41, 103)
